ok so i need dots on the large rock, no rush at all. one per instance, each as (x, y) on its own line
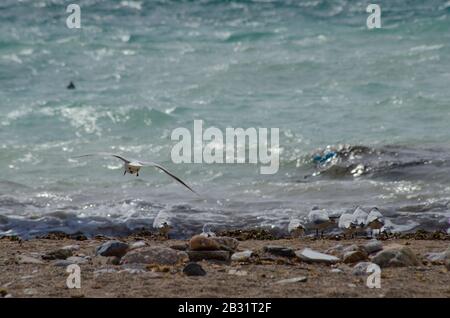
(396, 256)
(373, 246)
(159, 255)
(355, 256)
(196, 256)
(279, 250)
(112, 248)
(203, 243)
(311, 256)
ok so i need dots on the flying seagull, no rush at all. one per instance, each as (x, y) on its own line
(133, 166)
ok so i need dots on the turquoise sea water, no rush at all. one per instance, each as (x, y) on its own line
(143, 68)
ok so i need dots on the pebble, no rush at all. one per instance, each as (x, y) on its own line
(71, 247)
(180, 247)
(337, 250)
(159, 255)
(311, 256)
(279, 250)
(112, 248)
(102, 271)
(242, 256)
(360, 269)
(396, 256)
(62, 263)
(237, 272)
(23, 259)
(194, 269)
(300, 279)
(138, 244)
(373, 246)
(196, 256)
(78, 260)
(58, 254)
(436, 257)
(203, 243)
(335, 270)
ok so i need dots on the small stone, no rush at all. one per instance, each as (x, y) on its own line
(71, 247)
(279, 250)
(355, 256)
(194, 269)
(196, 256)
(242, 256)
(337, 250)
(237, 272)
(133, 271)
(396, 256)
(154, 255)
(112, 248)
(58, 254)
(373, 246)
(23, 259)
(350, 248)
(360, 269)
(336, 270)
(104, 271)
(436, 257)
(62, 263)
(77, 260)
(202, 243)
(300, 279)
(138, 244)
(180, 247)
(311, 256)
(226, 243)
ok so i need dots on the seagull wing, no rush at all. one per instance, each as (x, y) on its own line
(104, 154)
(153, 164)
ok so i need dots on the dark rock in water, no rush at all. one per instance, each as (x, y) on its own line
(279, 250)
(112, 248)
(196, 256)
(71, 85)
(159, 255)
(58, 254)
(194, 269)
(396, 256)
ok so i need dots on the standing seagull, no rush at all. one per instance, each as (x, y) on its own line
(319, 220)
(359, 219)
(296, 228)
(346, 224)
(375, 221)
(133, 166)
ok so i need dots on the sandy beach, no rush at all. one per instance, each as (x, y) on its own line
(36, 268)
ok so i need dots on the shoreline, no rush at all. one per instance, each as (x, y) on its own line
(27, 270)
